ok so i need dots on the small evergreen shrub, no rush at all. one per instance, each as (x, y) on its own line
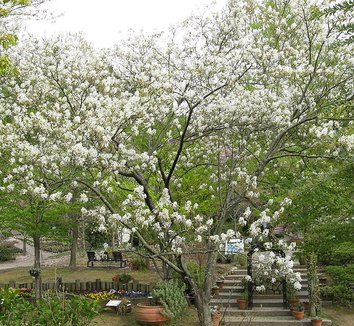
(171, 295)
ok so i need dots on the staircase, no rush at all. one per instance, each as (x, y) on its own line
(268, 309)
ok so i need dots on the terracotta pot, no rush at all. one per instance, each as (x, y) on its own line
(216, 319)
(220, 284)
(316, 322)
(299, 314)
(215, 291)
(242, 303)
(150, 315)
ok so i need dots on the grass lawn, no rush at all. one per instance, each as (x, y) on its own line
(84, 274)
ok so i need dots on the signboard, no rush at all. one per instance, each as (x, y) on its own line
(234, 246)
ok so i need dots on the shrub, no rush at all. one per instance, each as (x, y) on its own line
(341, 285)
(197, 271)
(54, 246)
(139, 264)
(343, 253)
(125, 278)
(171, 295)
(15, 310)
(8, 251)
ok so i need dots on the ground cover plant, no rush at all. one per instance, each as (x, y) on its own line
(16, 310)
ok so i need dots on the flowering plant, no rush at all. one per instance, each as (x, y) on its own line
(124, 293)
(101, 295)
(25, 292)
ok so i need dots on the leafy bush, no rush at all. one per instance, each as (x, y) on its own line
(54, 246)
(171, 295)
(125, 278)
(343, 253)
(15, 310)
(8, 251)
(197, 271)
(341, 286)
(139, 264)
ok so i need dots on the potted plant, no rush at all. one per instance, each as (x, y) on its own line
(316, 321)
(215, 315)
(243, 300)
(170, 303)
(291, 292)
(220, 283)
(298, 311)
(34, 271)
(215, 290)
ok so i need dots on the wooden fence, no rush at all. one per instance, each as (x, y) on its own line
(79, 286)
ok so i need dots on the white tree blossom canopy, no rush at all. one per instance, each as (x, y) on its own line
(172, 131)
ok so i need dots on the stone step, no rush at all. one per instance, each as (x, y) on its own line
(235, 311)
(238, 272)
(262, 303)
(239, 278)
(269, 321)
(223, 293)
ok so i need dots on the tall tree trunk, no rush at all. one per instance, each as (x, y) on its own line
(203, 294)
(202, 303)
(83, 236)
(24, 245)
(37, 264)
(314, 296)
(73, 248)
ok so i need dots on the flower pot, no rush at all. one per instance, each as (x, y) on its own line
(150, 315)
(316, 322)
(242, 303)
(216, 319)
(220, 284)
(215, 291)
(299, 314)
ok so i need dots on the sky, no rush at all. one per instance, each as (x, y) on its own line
(105, 22)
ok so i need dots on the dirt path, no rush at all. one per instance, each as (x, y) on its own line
(47, 258)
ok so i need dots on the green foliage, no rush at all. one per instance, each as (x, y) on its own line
(197, 272)
(139, 264)
(8, 251)
(171, 295)
(125, 278)
(341, 286)
(343, 253)
(59, 311)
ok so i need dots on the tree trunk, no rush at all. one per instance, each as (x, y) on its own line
(203, 294)
(202, 303)
(37, 264)
(24, 245)
(314, 296)
(73, 248)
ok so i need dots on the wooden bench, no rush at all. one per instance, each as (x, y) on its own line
(117, 257)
